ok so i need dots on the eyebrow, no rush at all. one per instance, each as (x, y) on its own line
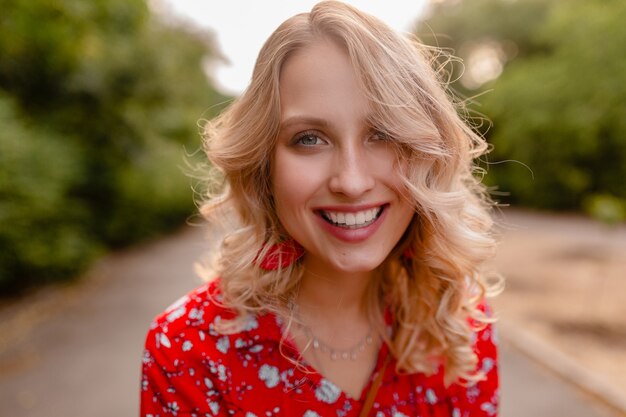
(296, 120)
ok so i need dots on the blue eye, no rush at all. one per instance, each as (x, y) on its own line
(308, 139)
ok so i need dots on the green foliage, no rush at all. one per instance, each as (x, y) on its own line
(559, 105)
(41, 235)
(460, 27)
(606, 208)
(149, 196)
(104, 99)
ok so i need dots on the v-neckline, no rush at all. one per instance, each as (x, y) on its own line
(310, 371)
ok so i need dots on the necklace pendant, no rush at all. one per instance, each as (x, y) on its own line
(318, 345)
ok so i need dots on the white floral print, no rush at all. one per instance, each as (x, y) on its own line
(269, 375)
(431, 398)
(251, 324)
(164, 340)
(176, 314)
(327, 391)
(215, 407)
(223, 344)
(190, 369)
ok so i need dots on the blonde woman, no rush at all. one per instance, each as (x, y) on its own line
(351, 282)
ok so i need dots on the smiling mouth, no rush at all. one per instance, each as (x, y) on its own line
(352, 220)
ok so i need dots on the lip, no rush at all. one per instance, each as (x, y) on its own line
(352, 235)
(350, 208)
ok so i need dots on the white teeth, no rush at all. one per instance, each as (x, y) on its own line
(354, 219)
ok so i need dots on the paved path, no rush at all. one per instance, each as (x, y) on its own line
(77, 351)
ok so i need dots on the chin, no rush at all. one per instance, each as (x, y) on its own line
(357, 265)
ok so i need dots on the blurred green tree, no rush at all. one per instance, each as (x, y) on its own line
(42, 235)
(101, 98)
(554, 77)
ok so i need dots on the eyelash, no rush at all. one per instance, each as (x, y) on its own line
(375, 134)
(308, 134)
(382, 136)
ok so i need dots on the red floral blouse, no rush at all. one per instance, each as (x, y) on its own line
(189, 369)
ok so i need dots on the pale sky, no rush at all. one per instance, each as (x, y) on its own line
(241, 26)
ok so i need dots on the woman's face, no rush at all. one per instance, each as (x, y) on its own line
(335, 179)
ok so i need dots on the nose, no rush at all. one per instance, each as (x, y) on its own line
(352, 174)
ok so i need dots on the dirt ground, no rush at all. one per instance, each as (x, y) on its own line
(566, 283)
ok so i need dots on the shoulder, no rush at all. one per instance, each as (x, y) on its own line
(197, 310)
(185, 333)
(189, 364)
(191, 327)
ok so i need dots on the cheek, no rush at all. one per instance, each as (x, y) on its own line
(295, 183)
(389, 169)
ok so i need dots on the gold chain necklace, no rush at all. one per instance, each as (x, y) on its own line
(344, 354)
(351, 353)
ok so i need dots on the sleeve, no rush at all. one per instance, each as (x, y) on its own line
(480, 399)
(175, 379)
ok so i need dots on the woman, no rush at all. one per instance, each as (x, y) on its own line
(351, 280)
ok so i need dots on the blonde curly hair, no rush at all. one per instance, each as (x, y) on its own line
(434, 295)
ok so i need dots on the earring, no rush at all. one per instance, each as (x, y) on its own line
(281, 255)
(408, 253)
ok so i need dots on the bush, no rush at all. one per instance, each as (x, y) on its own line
(100, 102)
(42, 235)
(153, 194)
(558, 107)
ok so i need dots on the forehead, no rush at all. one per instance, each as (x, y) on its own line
(319, 80)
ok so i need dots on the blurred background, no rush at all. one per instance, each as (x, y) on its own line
(100, 107)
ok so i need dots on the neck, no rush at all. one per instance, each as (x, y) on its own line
(332, 295)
